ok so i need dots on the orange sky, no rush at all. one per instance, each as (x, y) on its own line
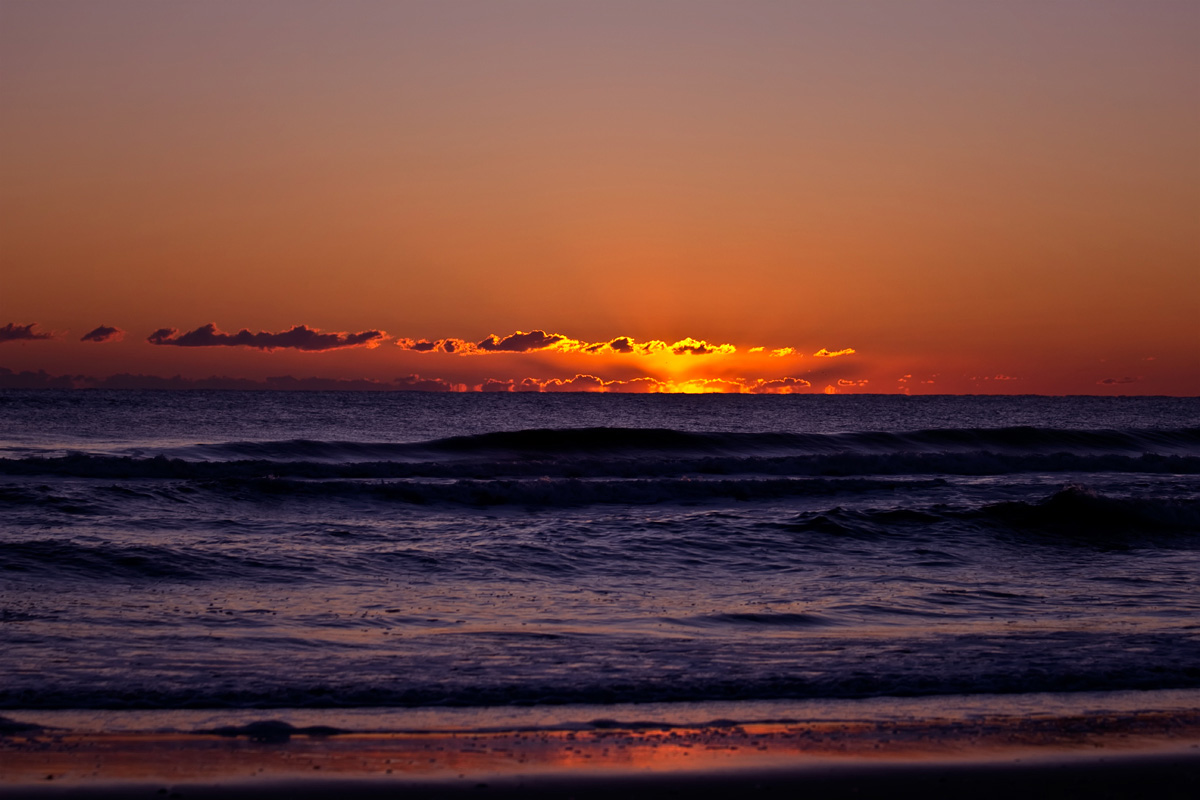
(985, 197)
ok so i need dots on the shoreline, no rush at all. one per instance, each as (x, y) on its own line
(1152, 754)
(1159, 775)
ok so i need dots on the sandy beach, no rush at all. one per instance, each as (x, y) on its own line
(1137, 755)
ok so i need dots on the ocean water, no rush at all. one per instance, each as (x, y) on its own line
(476, 556)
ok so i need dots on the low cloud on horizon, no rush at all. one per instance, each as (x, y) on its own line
(538, 340)
(103, 333)
(13, 332)
(578, 383)
(299, 337)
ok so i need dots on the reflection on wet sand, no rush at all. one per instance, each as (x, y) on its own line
(41, 755)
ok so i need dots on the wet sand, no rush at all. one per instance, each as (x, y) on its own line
(1129, 755)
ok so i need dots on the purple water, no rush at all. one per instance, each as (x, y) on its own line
(243, 551)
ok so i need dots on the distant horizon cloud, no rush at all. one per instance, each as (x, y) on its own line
(13, 332)
(299, 337)
(103, 333)
(823, 353)
(581, 382)
(28, 379)
(538, 340)
(584, 382)
(1117, 381)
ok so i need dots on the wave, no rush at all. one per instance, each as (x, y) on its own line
(571, 443)
(563, 493)
(1036, 666)
(1078, 509)
(637, 452)
(528, 493)
(754, 621)
(1074, 506)
(58, 559)
(1074, 512)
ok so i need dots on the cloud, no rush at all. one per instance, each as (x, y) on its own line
(580, 383)
(103, 333)
(823, 353)
(300, 337)
(521, 342)
(859, 382)
(541, 341)
(697, 347)
(34, 380)
(1117, 381)
(780, 352)
(628, 345)
(125, 380)
(13, 332)
(418, 345)
(647, 385)
(780, 386)
(416, 383)
(437, 346)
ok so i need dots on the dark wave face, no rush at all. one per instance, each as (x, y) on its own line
(358, 552)
(575, 443)
(643, 452)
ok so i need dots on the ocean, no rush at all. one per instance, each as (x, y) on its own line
(423, 561)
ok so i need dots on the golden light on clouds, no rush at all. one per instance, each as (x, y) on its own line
(541, 341)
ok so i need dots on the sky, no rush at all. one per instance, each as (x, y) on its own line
(917, 197)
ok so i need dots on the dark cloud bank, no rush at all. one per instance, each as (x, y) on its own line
(103, 333)
(301, 337)
(43, 380)
(13, 332)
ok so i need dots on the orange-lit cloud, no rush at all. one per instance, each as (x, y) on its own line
(780, 386)
(695, 347)
(859, 382)
(823, 353)
(580, 383)
(626, 345)
(541, 341)
(22, 333)
(103, 333)
(300, 337)
(647, 385)
(521, 342)
(781, 352)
